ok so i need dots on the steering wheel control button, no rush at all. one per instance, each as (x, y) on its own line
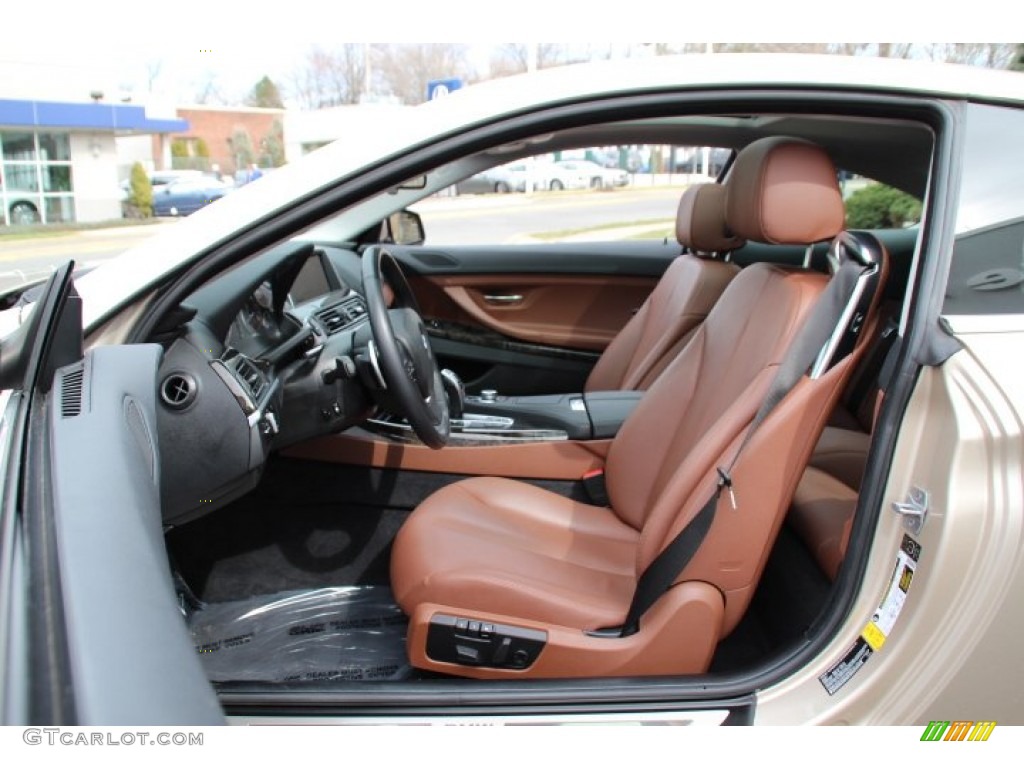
(475, 643)
(178, 391)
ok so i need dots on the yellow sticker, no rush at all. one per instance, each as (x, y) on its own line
(874, 636)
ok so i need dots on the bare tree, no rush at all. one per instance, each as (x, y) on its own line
(513, 58)
(329, 78)
(406, 69)
(209, 91)
(153, 69)
(992, 55)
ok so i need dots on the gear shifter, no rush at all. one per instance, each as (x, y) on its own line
(455, 391)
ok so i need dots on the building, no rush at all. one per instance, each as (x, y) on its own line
(59, 160)
(227, 139)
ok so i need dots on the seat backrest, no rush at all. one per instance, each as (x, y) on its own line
(681, 300)
(661, 468)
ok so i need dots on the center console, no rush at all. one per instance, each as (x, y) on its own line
(490, 417)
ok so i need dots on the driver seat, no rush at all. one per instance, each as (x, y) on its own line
(502, 579)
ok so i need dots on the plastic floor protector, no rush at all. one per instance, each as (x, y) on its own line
(336, 633)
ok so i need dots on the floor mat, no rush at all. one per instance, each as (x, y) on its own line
(336, 633)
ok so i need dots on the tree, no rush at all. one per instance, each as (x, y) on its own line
(513, 58)
(330, 78)
(140, 201)
(272, 146)
(406, 69)
(265, 94)
(241, 147)
(1017, 62)
(879, 206)
(209, 92)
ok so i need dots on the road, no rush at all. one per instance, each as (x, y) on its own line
(448, 221)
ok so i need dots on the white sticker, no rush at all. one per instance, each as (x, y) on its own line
(881, 624)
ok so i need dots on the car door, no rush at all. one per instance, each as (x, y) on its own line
(90, 629)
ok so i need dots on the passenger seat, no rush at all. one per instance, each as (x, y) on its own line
(681, 300)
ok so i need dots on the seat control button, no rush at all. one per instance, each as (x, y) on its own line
(486, 630)
(462, 625)
(467, 654)
(474, 627)
(501, 654)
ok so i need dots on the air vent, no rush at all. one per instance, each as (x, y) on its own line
(251, 375)
(178, 391)
(332, 320)
(71, 393)
(340, 316)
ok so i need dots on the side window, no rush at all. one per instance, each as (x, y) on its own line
(586, 195)
(987, 271)
(873, 205)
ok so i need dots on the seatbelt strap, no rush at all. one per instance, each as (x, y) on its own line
(663, 570)
(871, 370)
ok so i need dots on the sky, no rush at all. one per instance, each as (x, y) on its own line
(120, 48)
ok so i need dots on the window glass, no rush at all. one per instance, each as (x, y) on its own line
(54, 147)
(21, 177)
(587, 194)
(60, 209)
(18, 146)
(56, 178)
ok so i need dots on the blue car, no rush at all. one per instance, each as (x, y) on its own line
(187, 196)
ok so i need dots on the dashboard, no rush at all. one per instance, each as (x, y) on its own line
(269, 353)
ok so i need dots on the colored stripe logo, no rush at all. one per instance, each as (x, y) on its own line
(958, 730)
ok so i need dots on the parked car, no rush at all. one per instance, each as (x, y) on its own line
(21, 211)
(180, 198)
(586, 173)
(718, 158)
(222, 497)
(159, 180)
(500, 180)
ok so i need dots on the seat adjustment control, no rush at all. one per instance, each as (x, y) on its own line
(475, 643)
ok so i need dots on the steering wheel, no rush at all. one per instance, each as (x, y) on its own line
(402, 350)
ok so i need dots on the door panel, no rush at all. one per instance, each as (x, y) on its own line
(579, 312)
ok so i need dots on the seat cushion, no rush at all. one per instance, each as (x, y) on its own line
(506, 547)
(822, 515)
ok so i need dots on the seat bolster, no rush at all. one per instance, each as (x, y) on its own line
(843, 454)
(822, 516)
(682, 299)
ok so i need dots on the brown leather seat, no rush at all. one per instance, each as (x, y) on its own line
(506, 554)
(679, 302)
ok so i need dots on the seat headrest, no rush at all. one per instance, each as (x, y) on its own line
(784, 190)
(700, 221)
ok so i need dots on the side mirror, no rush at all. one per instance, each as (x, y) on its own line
(406, 228)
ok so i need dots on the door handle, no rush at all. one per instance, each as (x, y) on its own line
(503, 298)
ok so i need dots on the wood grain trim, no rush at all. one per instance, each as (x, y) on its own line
(555, 460)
